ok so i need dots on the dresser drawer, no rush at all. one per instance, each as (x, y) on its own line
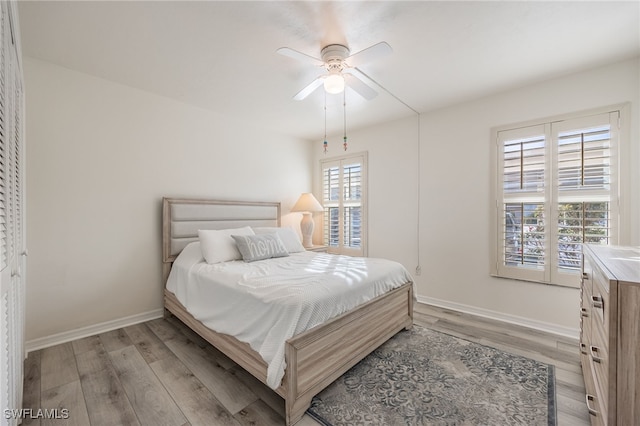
(599, 358)
(600, 303)
(598, 418)
(585, 316)
(597, 415)
(590, 387)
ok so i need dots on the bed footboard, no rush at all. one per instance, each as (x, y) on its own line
(319, 356)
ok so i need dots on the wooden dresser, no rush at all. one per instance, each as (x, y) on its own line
(610, 333)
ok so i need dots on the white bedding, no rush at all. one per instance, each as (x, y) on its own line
(264, 303)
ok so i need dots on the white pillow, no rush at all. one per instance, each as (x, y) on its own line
(287, 235)
(218, 246)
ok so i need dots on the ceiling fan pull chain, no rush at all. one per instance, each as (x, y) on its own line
(325, 144)
(344, 105)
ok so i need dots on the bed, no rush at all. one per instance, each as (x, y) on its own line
(314, 358)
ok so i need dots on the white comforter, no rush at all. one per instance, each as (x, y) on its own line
(264, 303)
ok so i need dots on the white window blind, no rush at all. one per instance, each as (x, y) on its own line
(556, 189)
(343, 198)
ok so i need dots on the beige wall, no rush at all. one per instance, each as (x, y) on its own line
(455, 202)
(100, 156)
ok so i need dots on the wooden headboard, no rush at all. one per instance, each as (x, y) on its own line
(183, 217)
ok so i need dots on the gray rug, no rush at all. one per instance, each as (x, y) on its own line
(423, 377)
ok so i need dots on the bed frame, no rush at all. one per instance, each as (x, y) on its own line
(314, 358)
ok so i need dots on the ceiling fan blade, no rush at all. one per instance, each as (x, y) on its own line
(378, 50)
(286, 51)
(354, 81)
(306, 91)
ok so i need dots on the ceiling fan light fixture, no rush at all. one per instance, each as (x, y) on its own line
(334, 83)
(341, 69)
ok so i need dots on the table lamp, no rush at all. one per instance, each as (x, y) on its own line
(307, 204)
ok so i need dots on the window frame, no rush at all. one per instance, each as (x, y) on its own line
(341, 161)
(551, 196)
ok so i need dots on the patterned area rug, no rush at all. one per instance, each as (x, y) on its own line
(423, 377)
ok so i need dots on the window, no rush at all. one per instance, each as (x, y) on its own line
(556, 188)
(344, 201)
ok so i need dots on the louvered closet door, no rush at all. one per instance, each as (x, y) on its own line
(12, 261)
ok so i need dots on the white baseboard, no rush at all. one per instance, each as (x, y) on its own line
(79, 333)
(572, 333)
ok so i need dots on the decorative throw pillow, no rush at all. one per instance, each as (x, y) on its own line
(288, 236)
(259, 247)
(218, 246)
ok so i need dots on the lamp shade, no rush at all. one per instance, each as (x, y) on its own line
(307, 203)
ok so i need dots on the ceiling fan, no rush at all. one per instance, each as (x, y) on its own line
(341, 68)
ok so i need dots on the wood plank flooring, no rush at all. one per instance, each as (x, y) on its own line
(161, 373)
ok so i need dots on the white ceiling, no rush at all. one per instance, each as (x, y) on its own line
(222, 55)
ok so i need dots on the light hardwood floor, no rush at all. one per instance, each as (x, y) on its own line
(161, 373)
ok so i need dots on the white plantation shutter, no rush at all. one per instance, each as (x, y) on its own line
(556, 188)
(522, 167)
(352, 201)
(585, 189)
(331, 203)
(12, 261)
(343, 198)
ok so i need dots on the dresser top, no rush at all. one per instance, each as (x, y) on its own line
(622, 262)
